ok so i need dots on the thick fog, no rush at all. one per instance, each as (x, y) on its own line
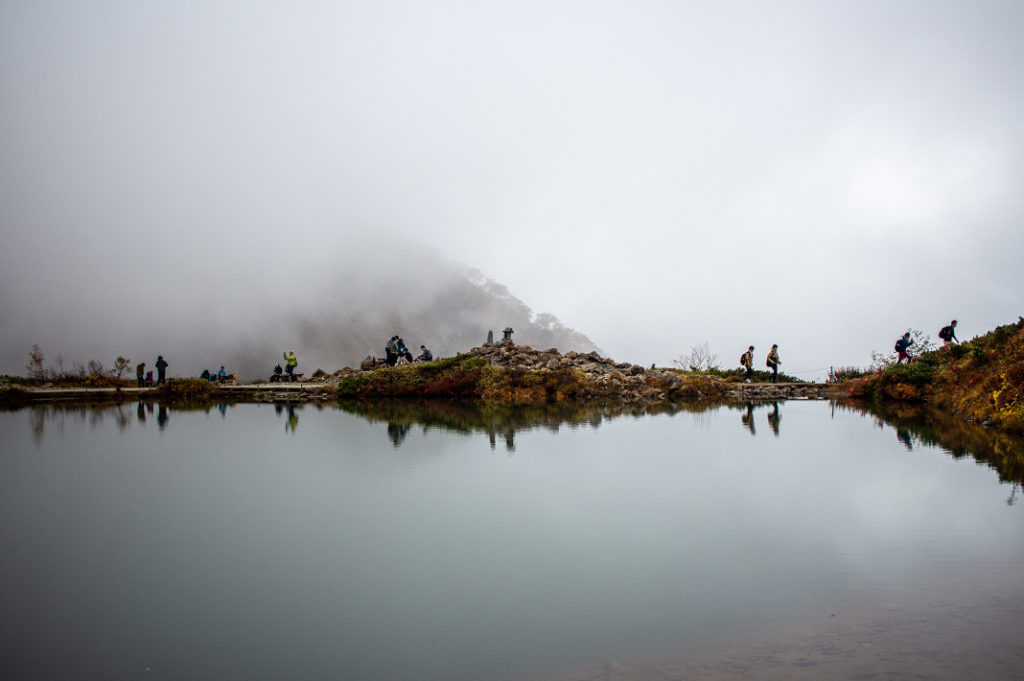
(657, 175)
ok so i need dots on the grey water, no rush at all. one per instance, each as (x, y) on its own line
(291, 542)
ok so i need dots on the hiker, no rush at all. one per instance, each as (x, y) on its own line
(747, 360)
(221, 374)
(425, 355)
(206, 375)
(402, 350)
(149, 379)
(161, 370)
(773, 362)
(901, 347)
(140, 371)
(391, 351)
(948, 334)
(276, 377)
(290, 364)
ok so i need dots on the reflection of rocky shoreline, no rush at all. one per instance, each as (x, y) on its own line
(504, 421)
(917, 423)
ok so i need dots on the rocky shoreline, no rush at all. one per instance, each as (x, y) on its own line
(519, 370)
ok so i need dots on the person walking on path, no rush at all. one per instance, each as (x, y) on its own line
(747, 360)
(773, 362)
(902, 345)
(140, 371)
(161, 370)
(948, 334)
(290, 364)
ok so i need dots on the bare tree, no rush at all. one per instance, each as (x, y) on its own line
(121, 365)
(96, 368)
(35, 363)
(700, 359)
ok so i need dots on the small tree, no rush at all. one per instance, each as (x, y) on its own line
(121, 365)
(35, 363)
(96, 368)
(700, 359)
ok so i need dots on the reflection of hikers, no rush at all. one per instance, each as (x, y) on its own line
(901, 347)
(774, 417)
(161, 370)
(773, 362)
(747, 360)
(748, 418)
(140, 371)
(904, 437)
(948, 334)
(397, 433)
(425, 355)
(290, 363)
(293, 419)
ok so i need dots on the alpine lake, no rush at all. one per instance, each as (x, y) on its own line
(454, 542)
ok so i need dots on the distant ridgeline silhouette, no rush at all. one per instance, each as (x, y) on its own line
(421, 297)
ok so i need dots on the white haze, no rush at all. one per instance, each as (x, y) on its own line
(656, 174)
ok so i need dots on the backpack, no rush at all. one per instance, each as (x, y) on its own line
(743, 360)
(946, 333)
(899, 345)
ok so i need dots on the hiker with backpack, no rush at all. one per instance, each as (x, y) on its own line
(948, 334)
(747, 360)
(901, 348)
(773, 362)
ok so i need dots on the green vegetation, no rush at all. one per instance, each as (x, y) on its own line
(739, 375)
(464, 377)
(981, 380)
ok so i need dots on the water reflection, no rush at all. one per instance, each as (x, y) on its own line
(774, 418)
(918, 424)
(913, 424)
(291, 422)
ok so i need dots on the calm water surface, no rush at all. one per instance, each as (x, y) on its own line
(253, 542)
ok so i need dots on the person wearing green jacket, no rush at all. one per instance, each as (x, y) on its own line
(290, 363)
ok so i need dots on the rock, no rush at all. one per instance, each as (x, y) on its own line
(671, 382)
(368, 363)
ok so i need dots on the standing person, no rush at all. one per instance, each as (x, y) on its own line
(948, 334)
(902, 345)
(290, 363)
(773, 362)
(140, 371)
(391, 351)
(161, 370)
(747, 360)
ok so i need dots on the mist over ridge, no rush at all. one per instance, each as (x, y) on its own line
(332, 308)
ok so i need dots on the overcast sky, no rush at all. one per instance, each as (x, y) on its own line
(821, 175)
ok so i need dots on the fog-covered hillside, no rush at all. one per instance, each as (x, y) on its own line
(333, 309)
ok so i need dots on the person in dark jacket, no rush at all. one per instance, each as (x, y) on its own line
(161, 370)
(425, 355)
(747, 360)
(140, 372)
(948, 334)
